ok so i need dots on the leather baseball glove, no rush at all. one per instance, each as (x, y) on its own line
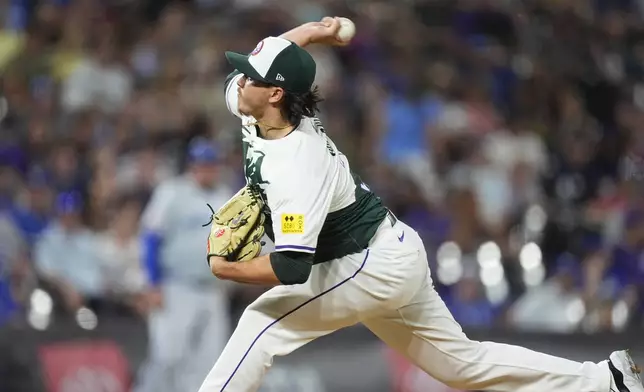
(237, 227)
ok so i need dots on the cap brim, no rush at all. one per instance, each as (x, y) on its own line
(241, 64)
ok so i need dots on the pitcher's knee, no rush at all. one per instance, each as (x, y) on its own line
(460, 368)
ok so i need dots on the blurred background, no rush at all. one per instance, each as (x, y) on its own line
(508, 133)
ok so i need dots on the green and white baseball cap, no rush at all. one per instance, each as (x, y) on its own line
(279, 62)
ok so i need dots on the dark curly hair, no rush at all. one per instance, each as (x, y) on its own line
(296, 106)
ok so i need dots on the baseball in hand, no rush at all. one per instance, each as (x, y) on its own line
(347, 30)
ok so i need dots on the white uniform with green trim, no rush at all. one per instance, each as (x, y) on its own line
(369, 269)
(315, 204)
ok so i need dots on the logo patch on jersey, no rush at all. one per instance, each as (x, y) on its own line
(292, 224)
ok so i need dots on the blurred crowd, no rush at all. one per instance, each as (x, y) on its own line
(508, 133)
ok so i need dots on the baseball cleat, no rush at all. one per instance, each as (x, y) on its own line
(626, 374)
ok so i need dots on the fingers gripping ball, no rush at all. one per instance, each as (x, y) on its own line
(237, 227)
(347, 30)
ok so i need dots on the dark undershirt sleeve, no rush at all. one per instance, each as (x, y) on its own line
(291, 267)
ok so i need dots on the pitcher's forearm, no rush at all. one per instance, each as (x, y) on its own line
(323, 32)
(300, 35)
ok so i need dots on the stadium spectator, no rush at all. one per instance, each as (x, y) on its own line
(66, 256)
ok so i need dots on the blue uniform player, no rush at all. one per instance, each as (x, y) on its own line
(189, 318)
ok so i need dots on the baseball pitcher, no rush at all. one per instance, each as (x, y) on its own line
(341, 257)
(189, 322)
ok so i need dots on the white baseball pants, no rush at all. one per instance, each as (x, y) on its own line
(388, 288)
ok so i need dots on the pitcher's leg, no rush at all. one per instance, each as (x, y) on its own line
(250, 351)
(427, 334)
(279, 322)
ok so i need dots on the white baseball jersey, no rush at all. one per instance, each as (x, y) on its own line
(315, 203)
